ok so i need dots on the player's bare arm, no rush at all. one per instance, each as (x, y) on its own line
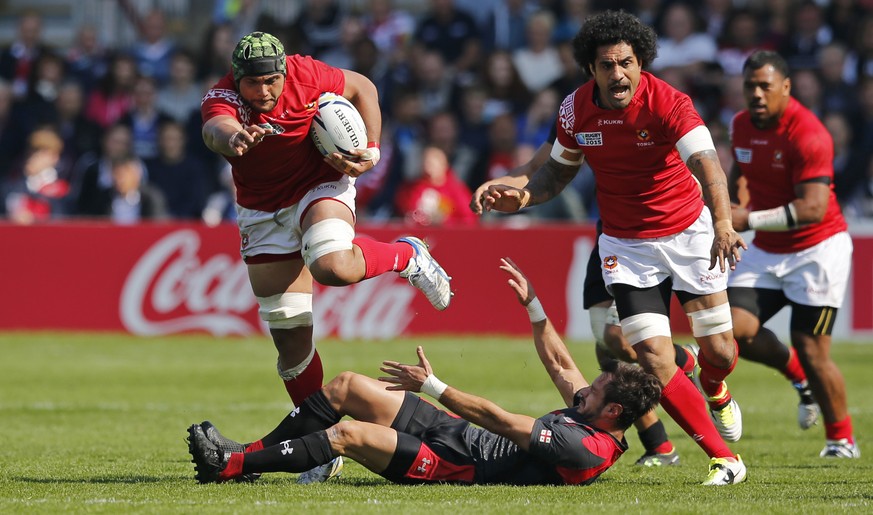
(361, 92)
(518, 177)
(809, 207)
(727, 242)
(479, 411)
(552, 351)
(548, 181)
(225, 135)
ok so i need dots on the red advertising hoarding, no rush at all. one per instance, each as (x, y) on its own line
(156, 279)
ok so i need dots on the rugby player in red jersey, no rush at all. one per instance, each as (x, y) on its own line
(407, 440)
(641, 137)
(801, 255)
(296, 209)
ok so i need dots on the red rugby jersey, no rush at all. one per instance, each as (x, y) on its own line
(284, 166)
(773, 161)
(644, 189)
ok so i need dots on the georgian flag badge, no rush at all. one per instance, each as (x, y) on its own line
(546, 436)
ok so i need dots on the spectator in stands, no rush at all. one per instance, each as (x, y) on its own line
(741, 37)
(862, 53)
(80, 135)
(505, 91)
(181, 96)
(183, 180)
(130, 200)
(11, 137)
(93, 173)
(807, 34)
(341, 53)
(572, 74)
(39, 194)
(320, 25)
(844, 18)
(453, 32)
(505, 25)
(87, 60)
(153, 48)
(390, 29)
(715, 14)
(218, 42)
(221, 203)
(682, 45)
(502, 143)
(538, 61)
(535, 124)
(838, 94)
(113, 96)
(437, 197)
(807, 88)
(572, 16)
(851, 163)
(434, 82)
(473, 119)
(17, 59)
(46, 76)
(443, 132)
(144, 118)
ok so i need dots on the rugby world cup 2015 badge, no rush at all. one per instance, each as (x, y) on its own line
(589, 139)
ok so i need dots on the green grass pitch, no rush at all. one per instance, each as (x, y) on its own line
(95, 423)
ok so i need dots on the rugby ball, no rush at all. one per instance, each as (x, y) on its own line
(337, 126)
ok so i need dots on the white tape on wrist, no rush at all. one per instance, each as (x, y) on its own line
(372, 154)
(781, 218)
(433, 387)
(535, 311)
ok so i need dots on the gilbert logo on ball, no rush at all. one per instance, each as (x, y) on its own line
(337, 126)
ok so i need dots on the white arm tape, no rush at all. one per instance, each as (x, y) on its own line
(433, 387)
(535, 311)
(694, 141)
(558, 151)
(781, 218)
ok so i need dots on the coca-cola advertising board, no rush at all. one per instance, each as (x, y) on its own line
(168, 278)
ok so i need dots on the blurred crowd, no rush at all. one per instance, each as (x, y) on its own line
(469, 90)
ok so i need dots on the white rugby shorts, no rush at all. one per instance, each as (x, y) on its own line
(684, 257)
(817, 276)
(279, 232)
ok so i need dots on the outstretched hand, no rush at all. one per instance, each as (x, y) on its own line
(518, 281)
(406, 377)
(726, 245)
(503, 198)
(247, 138)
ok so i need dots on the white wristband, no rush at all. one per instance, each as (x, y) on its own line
(781, 218)
(433, 387)
(535, 311)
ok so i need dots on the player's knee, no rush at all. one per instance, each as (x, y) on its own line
(324, 244)
(712, 321)
(287, 310)
(347, 434)
(338, 387)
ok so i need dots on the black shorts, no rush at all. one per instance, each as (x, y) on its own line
(430, 445)
(594, 289)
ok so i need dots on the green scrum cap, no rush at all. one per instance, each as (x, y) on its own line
(256, 54)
